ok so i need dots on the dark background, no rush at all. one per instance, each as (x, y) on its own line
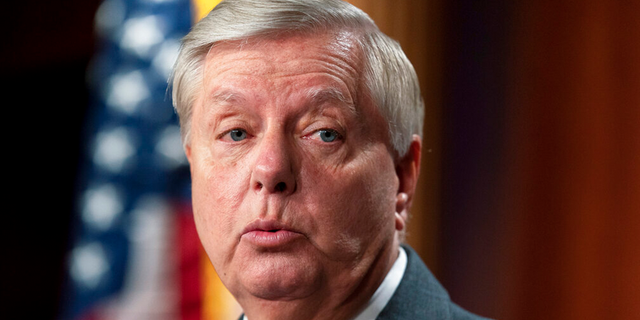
(45, 49)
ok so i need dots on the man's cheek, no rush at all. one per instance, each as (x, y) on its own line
(214, 224)
(339, 202)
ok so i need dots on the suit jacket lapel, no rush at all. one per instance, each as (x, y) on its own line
(419, 295)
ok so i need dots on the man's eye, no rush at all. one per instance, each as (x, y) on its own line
(237, 134)
(328, 135)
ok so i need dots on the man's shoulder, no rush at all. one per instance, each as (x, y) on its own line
(421, 296)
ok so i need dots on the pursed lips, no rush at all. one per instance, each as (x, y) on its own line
(269, 234)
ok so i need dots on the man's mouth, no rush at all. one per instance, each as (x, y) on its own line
(269, 234)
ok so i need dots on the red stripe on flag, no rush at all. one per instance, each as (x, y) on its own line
(189, 266)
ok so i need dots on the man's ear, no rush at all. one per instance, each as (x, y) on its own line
(407, 170)
(187, 151)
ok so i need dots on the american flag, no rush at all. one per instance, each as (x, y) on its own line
(135, 253)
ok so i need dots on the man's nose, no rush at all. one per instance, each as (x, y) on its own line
(273, 171)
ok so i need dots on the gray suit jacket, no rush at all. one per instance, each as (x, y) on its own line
(420, 296)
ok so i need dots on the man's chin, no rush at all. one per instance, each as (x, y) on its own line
(281, 276)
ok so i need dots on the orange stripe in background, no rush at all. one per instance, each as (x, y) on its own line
(202, 7)
(218, 303)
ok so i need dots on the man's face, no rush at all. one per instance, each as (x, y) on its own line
(294, 184)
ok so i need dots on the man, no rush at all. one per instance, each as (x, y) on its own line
(302, 124)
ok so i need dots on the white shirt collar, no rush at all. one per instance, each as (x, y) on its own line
(385, 291)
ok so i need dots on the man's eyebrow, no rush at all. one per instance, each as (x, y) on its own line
(225, 96)
(319, 96)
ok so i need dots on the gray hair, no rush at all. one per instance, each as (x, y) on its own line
(389, 76)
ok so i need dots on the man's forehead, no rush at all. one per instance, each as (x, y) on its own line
(317, 67)
(315, 96)
(297, 51)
